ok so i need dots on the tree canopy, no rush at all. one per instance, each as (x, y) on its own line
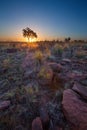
(27, 32)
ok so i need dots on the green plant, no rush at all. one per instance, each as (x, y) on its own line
(9, 94)
(38, 57)
(44, 72)
(6, 63)
(85, 46)
(57, 50)
(80, 54)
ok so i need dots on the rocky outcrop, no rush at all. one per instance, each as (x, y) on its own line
(56, 67)
(81, 90)
(75, 110)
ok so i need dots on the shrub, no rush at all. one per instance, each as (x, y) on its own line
(85, 46)
(44, 73)
(57, 50)
(66, 46)
(6, 63)
(38, 57)
(80, 54)
(47, 52)
(9, 95)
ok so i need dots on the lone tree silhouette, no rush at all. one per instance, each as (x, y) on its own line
(27, 32)
(67, 39)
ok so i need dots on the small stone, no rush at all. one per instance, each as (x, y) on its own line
(37, 124)
(4, 105)
(66, 60)
(28, 74)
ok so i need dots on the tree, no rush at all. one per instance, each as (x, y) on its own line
(27, 32)
(67, 39)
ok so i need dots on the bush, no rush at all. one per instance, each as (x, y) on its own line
(57, 50)
(45, 73)
(6, 63)
(85, 46)
(38, 57)
(80, 54)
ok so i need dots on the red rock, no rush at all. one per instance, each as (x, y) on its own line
(56, 67)
(66, 60)
(4, 105)
(75, 110)
(37, 124)
(74, 75)
(82, 90)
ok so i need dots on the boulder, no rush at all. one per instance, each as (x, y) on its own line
(4, 105)
(75, 110)
(56, 67)
(66, 60)
(74, 76)
(37, 124)
(82, 90)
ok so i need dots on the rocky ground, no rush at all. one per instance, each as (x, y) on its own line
(43, 86)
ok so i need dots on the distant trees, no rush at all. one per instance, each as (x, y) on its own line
(67, 39)
(30, 34)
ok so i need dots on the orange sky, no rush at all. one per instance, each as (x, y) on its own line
(19, 37)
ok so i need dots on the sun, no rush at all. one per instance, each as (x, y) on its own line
(31, 40)
(27, 40)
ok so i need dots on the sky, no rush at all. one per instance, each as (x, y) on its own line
(50, 19)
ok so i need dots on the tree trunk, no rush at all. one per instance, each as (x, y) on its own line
(28, 39)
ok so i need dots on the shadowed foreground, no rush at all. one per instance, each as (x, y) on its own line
(43, 86)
